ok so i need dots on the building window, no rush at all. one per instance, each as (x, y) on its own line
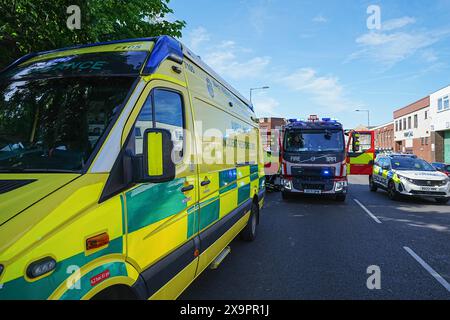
(443, 103)
(396, 125)
(400, 125)
(416, 121)
(426, 115)
(409, 122)
(404, 123)
(426, 140)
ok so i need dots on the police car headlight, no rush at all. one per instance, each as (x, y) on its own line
(405, 179)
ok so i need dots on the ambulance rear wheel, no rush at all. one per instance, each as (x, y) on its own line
(249, 232)
(373, 187)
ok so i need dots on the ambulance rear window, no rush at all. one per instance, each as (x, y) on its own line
(89, 64)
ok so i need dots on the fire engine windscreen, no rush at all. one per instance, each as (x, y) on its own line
(314, 141)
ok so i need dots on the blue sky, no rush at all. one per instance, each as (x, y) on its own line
(320, 57)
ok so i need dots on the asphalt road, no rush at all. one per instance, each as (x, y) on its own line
(315, 248)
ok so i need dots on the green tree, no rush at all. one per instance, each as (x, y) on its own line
(38, 25)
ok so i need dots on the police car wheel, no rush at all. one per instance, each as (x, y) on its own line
(249, 232)
(373, 187)
(392, 192)
(442, 200)
(340, 197)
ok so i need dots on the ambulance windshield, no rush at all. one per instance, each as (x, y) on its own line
(54, 113)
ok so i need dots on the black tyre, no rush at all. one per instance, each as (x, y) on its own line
(249, 232)
(372, 186)
(340, 197)
(442, 200)
(285, 195)
(392, 192)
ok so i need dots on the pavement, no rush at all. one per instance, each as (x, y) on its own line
(316, 248)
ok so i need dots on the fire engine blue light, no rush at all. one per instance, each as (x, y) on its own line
(326, 172)
(326, 119)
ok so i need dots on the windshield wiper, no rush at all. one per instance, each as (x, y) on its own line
(21, 170)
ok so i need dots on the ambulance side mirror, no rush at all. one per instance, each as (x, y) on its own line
(155, 165)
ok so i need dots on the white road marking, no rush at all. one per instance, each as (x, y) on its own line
(430, 270)
(367, 211)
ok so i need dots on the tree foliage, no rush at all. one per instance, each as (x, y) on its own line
(38, 25)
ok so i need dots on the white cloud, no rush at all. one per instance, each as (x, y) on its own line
(226, 57)
(320, 19)
(390, 46)
(324, 91)
(227, 60)
(266, 106)
(397, 23)
(390, 49)
(197, 37)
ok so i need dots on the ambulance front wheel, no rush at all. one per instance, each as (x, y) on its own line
(249, 232)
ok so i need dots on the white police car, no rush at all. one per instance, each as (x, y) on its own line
(410, 176)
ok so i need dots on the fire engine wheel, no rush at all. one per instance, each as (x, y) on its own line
(392, 192)
(373, 187)
(285, 195)
(340, 197)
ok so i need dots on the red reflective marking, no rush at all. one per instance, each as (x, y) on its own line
(100, 277)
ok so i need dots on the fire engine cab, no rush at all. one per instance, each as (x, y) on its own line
(313, 157)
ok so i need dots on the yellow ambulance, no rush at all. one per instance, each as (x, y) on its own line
(126, 169)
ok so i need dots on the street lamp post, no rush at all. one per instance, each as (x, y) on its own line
(368, 116)
(253, 89)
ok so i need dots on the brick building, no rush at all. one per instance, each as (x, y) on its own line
(412, 128)
(269, 136)
(384, 137)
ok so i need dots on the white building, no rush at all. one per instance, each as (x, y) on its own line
(440, 123)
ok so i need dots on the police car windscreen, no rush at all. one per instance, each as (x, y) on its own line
(314, 141)
(88, 64)
(413, 164)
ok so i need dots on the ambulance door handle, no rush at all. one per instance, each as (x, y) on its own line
(187, 188)
(205, 183)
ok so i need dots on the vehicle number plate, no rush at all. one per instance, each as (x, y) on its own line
(310, 191)
(428, 189)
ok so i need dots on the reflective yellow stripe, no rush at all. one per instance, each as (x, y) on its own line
(364, 158)
(157, 76)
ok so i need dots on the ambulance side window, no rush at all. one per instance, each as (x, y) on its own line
(162, 109)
